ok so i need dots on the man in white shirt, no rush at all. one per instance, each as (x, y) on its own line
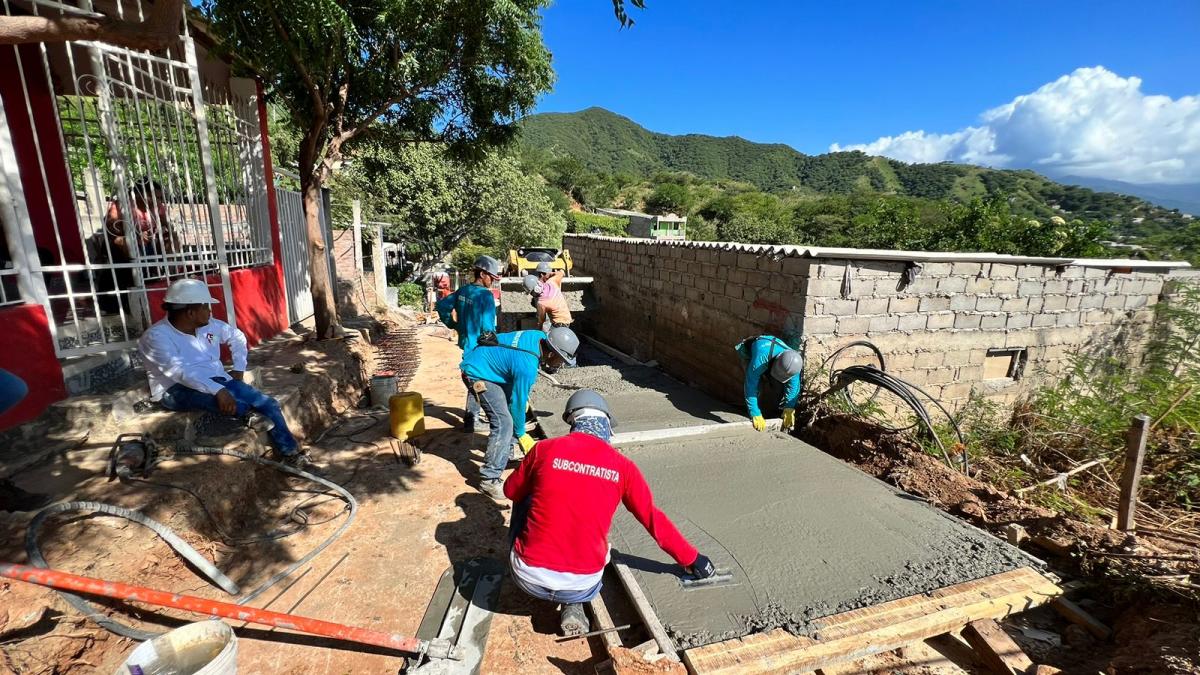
(183, 362)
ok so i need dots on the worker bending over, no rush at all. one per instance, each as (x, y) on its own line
(471, 310)
(565, 494)
(551, 304)
(760, 354)
(546, 274)
(182, 353)
(500, 375)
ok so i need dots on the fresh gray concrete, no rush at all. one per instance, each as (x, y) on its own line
(804, 534)
(641, 398)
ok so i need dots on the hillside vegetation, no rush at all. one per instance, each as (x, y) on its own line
(775, 193)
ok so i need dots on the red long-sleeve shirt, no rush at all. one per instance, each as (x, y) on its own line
(576, 482)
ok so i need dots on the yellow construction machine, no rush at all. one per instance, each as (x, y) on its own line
(522, 261)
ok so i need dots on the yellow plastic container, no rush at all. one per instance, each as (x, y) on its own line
(406, 412)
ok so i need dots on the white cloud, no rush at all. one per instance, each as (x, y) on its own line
(1092, 122)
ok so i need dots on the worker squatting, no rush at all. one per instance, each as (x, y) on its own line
(566, 490)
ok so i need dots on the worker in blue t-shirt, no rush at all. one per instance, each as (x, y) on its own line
(471, 310)
(760, 354)
(501, 375)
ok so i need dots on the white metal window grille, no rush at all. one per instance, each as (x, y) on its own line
(162, 186)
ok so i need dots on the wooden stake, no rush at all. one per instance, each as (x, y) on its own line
(1079, 616)
(1135, 453)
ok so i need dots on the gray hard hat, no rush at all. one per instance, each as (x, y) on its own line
(488, 264)
(532, 285)
(787, 365)
(564, 342)
(587, 398)
(544, 268)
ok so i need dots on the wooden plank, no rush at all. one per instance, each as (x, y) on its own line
(665, 644)
(604, 621)
(999, 652)
(1078, 615)
(1135, 453)
(871, 630)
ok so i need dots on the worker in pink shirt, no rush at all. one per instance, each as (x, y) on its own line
(564, 496)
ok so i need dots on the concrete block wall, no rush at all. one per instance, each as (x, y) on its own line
(686, 305)
(356, 288)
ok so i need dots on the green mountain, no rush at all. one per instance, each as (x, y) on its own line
(605, 142)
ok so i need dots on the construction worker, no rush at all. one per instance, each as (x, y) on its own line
(564, 497)
(182, 353)
(551, 304)
(548, 275)
(501, 374)
(471, 310)
(760, 354)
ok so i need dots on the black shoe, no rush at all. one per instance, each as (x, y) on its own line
(13, 498)
(259, 423)
(573, 620)
(302, 462)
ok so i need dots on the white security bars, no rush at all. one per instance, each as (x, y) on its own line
(164, 180)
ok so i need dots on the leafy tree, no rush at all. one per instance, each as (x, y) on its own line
(670, 198)
(435, 201)
(457, 71)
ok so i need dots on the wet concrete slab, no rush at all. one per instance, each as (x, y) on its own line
(641, 398)
(803, 534)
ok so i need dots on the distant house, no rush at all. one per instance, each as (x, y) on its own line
(646, 226)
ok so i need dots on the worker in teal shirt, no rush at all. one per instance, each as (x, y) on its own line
(760, 354)
(501, 375)
(471, 310)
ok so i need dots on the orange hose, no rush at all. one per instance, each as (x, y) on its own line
(115, 589)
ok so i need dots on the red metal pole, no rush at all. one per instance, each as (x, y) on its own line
(114, 589)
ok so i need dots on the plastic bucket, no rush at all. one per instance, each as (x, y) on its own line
(202, 648)
(383, 386)
(407, 415)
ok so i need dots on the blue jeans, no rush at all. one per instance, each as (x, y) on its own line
(494, 402)
(520, 513)
(12, 390)
(471, 419)
(183, 399)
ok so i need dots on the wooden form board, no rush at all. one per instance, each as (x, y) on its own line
(871, 630)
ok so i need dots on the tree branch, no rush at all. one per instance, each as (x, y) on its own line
(156, 32)
(313, 90)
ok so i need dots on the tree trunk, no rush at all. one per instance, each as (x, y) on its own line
(324, 302)
(158, 31)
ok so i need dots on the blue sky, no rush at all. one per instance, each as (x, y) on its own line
(811, 74)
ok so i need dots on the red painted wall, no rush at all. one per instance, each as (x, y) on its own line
(44, 109)
(33, 360)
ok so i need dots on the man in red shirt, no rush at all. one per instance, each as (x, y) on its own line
(564, 496)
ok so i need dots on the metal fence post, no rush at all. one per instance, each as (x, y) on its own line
(356, 208)
(1135, 453)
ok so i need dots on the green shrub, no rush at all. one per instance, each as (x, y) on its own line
(410, 295)
(594, 223)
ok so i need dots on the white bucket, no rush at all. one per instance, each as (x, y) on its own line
(201, 648)
(382, 389)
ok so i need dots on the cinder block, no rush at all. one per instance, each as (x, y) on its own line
(962, 302)
(952, 285)
(1031, 272)
(959, 358)
(897, 362)
(1055, 287)
(1074, 302)
(1044, 320)
(833, 270)
(839, 307)
(873, 306)
(989, 304)
(912, 322)
(957, 390)
(1030, 288)
(903, 305)
(936, 269)
(1092, 301)
(1015, 304)
(934, 304)
(966, 268)
(1005, 286)
(967, 321)
(1002, 271)
(819, 325)
(1069, 319)
(940, 376)
(825, 288)
(1095, 316)
(1135, 302)
(922, 285)
(993, 321)
(1054, 303)
(928, 359)
(883, 324)
(1094, 273)
(1020, 321)
(1036, 304)
(1071, 272)
(979, 285)
(940, 320)
(1114, 302)
(852, 325)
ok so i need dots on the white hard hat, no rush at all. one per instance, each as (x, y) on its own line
(189, 292)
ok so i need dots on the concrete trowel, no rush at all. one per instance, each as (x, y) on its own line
(460, 611)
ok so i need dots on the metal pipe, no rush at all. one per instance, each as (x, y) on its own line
(190, 603)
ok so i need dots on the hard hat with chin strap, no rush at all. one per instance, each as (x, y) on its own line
(589, 399)
(488, 264)
(564, 342)
(189, 292)
(787, 365)
(532, 285)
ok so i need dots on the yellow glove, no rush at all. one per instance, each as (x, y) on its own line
(789, 419)
(759, 423)
(526, 442)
